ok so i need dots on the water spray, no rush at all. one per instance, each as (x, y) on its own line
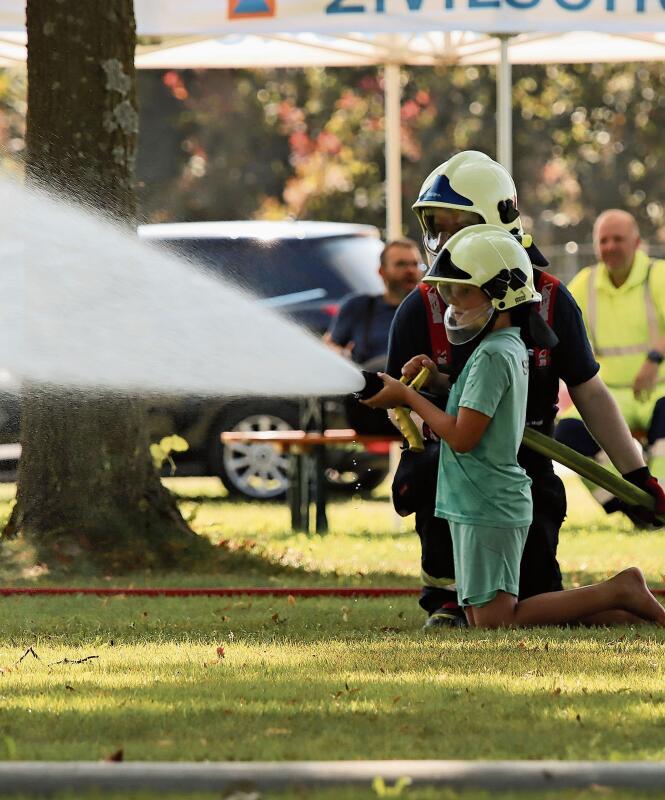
(91, 309)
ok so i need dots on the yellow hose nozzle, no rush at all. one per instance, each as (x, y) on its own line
(407, 426)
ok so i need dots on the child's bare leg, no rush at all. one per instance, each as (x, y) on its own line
(610, 618)
(498, 613)
(626, 591)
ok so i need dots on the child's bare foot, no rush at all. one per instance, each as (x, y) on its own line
(634, 596)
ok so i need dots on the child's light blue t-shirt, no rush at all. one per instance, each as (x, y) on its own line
(487, 486)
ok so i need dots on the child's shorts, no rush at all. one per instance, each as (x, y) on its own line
(487, 560)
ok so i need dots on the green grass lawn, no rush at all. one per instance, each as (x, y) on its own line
(327, 678)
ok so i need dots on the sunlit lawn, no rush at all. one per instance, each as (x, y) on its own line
(368, 544)
(327, 678)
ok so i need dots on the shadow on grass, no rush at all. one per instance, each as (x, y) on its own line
(230, 564)
(234, 710)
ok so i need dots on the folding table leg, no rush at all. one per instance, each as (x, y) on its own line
(320, 489)
(295, 493)
(305, 490)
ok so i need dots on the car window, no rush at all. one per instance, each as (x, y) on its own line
(335, 266)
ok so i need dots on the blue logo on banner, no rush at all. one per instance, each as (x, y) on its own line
(251, 7)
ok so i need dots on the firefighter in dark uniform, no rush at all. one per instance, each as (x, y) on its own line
(468, 189)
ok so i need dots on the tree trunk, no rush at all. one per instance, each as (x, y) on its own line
(87, 489)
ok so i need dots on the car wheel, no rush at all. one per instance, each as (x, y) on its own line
(253, 471)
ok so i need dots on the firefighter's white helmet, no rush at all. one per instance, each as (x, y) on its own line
(474, 186)
(490, 258)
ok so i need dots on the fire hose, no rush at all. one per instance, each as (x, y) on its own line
(538, 442)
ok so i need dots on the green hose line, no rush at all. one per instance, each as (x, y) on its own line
(550, 448)
(587, 468)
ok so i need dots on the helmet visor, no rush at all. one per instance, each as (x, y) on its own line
(439, 224)
(463, 325)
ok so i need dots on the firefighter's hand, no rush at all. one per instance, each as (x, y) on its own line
(645, 380)
(643, 479)
(392, 395)
(436, 383)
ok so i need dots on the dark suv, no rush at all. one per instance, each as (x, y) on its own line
(301, 268)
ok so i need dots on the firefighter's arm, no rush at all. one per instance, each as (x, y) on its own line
(645, 380)
(602, 417)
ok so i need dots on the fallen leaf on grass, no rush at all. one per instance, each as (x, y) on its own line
(119, 755)
(382, 790)
(277, 731)
(220, 652)
(291, 600)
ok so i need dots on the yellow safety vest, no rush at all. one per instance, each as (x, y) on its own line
(624, 322)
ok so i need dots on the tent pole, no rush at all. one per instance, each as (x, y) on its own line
(504, 121)
(393, 150)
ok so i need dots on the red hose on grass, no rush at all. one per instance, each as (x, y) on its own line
(213, 592)
(217, 592)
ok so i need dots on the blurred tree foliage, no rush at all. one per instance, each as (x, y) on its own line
(309, 143)
(589, 137)
(13, 108)
(236, 144)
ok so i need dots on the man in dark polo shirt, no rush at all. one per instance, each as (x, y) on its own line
(360, 329)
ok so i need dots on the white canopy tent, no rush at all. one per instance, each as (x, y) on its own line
(281, 33)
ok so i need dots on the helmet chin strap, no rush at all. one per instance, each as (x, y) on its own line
(540, 331)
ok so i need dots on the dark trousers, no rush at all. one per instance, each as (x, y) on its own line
(539, 568)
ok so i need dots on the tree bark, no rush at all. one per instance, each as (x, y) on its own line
(87, 490)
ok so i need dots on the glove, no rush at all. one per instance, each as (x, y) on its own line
(642, 517)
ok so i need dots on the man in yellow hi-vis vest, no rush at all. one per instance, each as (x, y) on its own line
(622, 299)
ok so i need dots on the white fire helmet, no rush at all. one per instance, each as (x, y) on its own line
(489, 257)
(476, 187)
